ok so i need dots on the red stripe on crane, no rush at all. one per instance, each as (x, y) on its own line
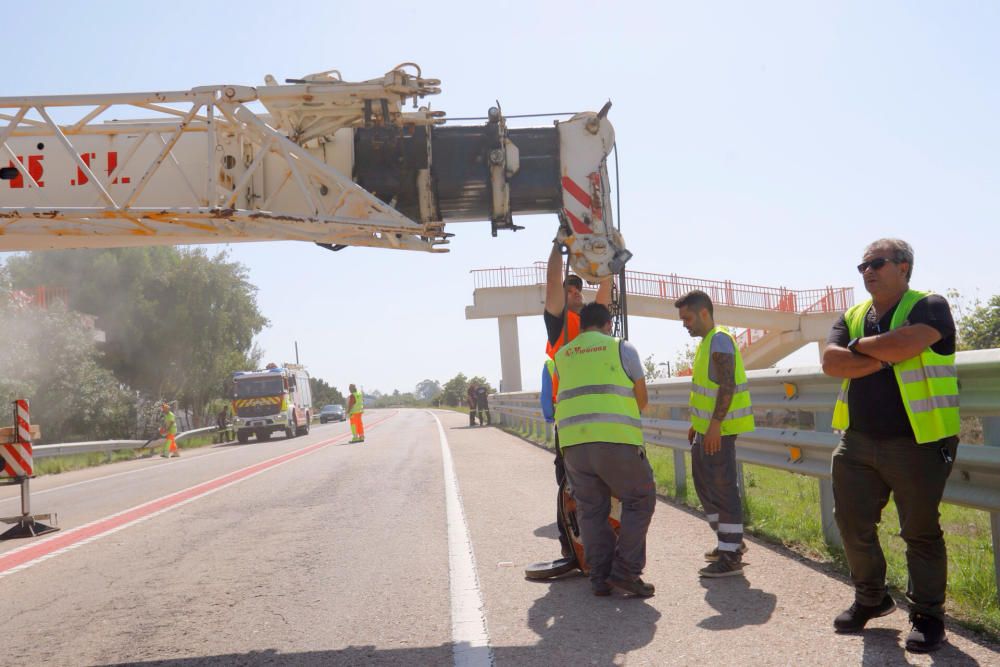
(578, 193)
(576, 223)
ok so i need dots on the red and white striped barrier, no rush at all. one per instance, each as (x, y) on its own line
(16, 455)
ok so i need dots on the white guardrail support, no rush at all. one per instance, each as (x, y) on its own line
(974, 480)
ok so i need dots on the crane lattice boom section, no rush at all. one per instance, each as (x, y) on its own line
(324, 160)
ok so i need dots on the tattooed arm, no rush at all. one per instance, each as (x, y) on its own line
(725, 365)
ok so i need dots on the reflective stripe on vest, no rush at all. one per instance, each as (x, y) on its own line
(596, 398)
(359, 403)
(928, 382)
(701, 405)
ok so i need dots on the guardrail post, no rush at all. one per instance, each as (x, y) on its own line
(823, 423)
(680, 464)
(991, 438)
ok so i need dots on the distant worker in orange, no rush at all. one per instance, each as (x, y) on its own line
(355, 408)
(169, 430)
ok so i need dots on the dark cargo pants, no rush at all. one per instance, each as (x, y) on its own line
(564, 542)
(716, 483)
(866, 469)
(597, 470)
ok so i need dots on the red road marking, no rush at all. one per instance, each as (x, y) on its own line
(26, 556)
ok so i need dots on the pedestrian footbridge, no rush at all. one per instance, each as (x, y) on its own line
(776, 321)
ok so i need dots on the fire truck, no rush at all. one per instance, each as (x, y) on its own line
(276, 399)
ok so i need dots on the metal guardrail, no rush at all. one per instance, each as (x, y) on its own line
(775, 392)
(107, 446)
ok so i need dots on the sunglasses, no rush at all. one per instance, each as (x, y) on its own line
(875, 264)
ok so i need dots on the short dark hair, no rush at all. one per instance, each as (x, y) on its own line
(695, 300)
(575, 281)
(594, 315)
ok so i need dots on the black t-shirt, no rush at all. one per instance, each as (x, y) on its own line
(553, 326)
(875, 404)
(482, 397)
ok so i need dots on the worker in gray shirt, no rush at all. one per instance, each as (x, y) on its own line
(720, 409)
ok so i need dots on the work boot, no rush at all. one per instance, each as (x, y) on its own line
(164, 456)
(927, 634)
(713, 555)
(725, 566)
(636, 586)
(600, 588)
(857, 615)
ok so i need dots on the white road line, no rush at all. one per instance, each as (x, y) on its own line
(469, 636)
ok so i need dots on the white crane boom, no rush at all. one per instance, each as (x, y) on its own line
(328, 161)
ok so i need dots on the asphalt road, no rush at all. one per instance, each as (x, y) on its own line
(316, 552)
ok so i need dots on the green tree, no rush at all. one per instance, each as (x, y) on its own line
(652, 370)
(481, 381)
(49, 356)
(178, 322)
(979, 329)
(454, 390)
(324, 394)
(427, 390)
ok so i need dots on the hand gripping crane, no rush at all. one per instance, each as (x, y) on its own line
(317, 159)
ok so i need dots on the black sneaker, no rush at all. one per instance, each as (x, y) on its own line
(600, 588)
(636, 586)
(927, 634)
(723, 567)
(855, 618)
(713, 555)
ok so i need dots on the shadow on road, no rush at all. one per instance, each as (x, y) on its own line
(550, 531)
(884, 646)
(736, 603)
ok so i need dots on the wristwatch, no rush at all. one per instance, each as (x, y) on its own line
(853, 345)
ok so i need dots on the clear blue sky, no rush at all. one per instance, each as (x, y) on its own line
(762, 142)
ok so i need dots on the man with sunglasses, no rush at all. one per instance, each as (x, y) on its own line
(898, 411)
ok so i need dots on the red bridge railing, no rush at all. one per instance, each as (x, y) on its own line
(671, 286)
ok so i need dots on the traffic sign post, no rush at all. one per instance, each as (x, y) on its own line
(15, 455)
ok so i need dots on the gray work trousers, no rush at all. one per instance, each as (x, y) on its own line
(715, 482)
(598, 470)
(865, 470)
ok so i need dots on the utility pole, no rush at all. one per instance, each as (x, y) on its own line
(296, 353)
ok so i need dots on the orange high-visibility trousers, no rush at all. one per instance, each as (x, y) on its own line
(357, 427)
(170, 446)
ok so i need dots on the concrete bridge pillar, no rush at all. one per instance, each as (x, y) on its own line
(510, 353)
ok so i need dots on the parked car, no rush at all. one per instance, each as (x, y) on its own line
(332, 413)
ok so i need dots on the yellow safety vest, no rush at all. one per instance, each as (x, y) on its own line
(596, 398)
(359, 403)
(928, 382)
(701, 404)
